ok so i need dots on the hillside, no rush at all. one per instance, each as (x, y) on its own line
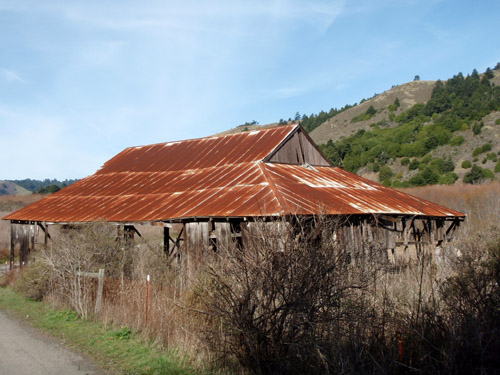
(42, 186)
(245, 128)
(421, 133)
(10, 188)
(342, 125)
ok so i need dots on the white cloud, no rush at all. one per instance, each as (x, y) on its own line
(284, 92)
(10, 76)
(187, 15)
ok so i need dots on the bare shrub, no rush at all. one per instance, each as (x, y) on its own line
(9, 278)
(295, 302)
(82, 249)
(288, 301)
(471, 295)
(34, 281)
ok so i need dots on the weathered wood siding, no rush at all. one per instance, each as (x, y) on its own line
(196, 243)
(24, 235)
(223, 236)
(299, 150)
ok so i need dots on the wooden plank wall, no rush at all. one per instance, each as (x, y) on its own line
(223, 236)
(23, 235)
(311, 154)
(196, 243)
(299, 150)
(398, 240)
(274, 233)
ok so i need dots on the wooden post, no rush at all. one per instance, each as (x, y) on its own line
(32, 236)
(166, 240)
(24, 245)
(46, 234)
(432, 241)
(147, 299)
(100, 286)
(12, 242)
(128, 234)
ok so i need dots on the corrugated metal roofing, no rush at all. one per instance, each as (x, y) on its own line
(195, 154)
(332, 190)
(218, 177)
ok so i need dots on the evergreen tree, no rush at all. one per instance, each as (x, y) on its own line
(489, 74)
(371, 111)
(474, 176)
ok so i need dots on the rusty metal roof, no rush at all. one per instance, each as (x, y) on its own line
(196, 154)
(332, 190)
(218, 177)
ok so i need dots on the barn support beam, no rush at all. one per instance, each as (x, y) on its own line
(166, 240)
(129, 232)
(12, 242)
(25, 240)
(46, 234)
(32, 228)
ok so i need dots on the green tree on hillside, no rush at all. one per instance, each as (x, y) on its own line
(385, 173)
(475, 175)
(393, 107)
(371, 111)
(48, 189)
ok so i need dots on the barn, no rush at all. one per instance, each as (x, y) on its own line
(219, 188)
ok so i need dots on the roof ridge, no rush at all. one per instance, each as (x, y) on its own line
(282, 202)
(215, 136)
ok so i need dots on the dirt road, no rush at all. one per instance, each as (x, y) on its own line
(26, 351)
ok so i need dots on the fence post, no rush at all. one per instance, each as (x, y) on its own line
(147, 299)
(100, 285)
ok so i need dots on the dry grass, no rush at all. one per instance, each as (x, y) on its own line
(481, 203)
(53, 275)
(11, 203)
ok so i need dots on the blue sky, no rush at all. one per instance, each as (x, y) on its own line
(82, 80)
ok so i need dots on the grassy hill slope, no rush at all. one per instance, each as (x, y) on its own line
(10, 188)
(342, 125)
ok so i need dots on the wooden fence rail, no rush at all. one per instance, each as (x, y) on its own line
(100, 285)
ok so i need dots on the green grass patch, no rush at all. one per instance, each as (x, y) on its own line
(120, 350)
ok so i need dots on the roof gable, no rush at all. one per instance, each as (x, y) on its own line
(298, 148)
